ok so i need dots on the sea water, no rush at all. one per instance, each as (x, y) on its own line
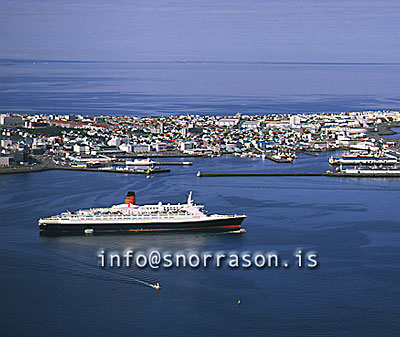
(110, 88)
(55, 286)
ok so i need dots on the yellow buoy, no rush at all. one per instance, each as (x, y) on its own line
(238, 302)
(199, 174)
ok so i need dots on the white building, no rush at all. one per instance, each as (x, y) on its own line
(6, 143)
(251, 125)
(117, 141)
(294, 121)
(160, 146)
(141, 148)
(81, 149)
(126, 147)
(227, 122)
(186, 146)
(38, 143)
(4, 161)
(364, 146)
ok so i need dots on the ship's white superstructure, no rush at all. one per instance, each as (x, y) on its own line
(364, 159)
(145, 215)
(141, 162)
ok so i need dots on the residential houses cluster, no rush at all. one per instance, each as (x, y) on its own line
(94, 139)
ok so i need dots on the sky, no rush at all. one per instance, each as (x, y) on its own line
(196, 30)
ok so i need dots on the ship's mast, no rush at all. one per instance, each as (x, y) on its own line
(190, 200)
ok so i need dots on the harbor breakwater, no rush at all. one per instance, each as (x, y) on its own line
(326, 174)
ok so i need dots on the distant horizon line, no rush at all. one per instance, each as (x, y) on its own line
(19, 60)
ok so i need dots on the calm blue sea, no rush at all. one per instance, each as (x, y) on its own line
(52, 286)
(195, 88)
(396, 135)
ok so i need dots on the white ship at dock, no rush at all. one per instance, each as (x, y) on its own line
(141, 162)
(364, 159)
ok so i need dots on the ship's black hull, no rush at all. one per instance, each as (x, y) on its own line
(216, 225)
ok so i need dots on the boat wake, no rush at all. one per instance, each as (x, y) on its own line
(79, 266)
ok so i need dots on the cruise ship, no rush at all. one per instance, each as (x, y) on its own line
(372, 172)
(363, 160)
(129, 217)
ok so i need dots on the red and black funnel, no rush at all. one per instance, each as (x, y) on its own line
(130, 198)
